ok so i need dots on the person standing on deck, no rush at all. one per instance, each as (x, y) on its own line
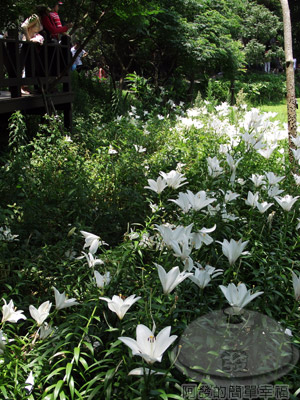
(49, 24)
(54, 14)
(55, 17)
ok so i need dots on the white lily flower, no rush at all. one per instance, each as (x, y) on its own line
(139, 149)
(91, 260)
(174, 179)
(61, 301)
(10, 314)
(224, 148)
(202, 276)
(120, 306)
(296, 285)
(148, 346)
(181, 250)
(238, 296)
(286, 202)
(268, 151)
(210, 270)
(179, 234)
(297, 179)
(3, 341)
(288, 332)
(233, 249)
(241, 181)
(273, 179)
(157, 186)
(201, 236)
(29, 383)
(252, 199)
(44, 331)
(214, 168)
(199, 200)
(111, 150)
(253, 119)
(211, 210)
(259, 145)
(258, 180)
(230, 196)
(188, 264)
(190, 200)
(296, 153)
(231, 162)
(92, 241)
(263, 207)
(183, 202)
(298, 225)
(140, 371)
(40, 314)
(102, 280)
(274, 191)
(296, 141)
(171, 279)
(228, 217)
(252, 141)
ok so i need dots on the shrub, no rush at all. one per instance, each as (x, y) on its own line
(258, 88)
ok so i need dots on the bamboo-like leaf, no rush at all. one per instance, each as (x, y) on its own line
(68, 371)
(62, 396)
(83, 363)
(55, 372)
(76, 354)
(57, 389)
(71, 387)
(3, 390)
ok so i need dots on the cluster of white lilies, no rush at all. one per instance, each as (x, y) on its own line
(258, 134)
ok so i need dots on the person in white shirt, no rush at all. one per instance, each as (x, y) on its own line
(77, 63)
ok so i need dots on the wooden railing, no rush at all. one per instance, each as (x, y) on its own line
(42, 65)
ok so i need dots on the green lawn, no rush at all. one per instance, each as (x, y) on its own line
(281, 110)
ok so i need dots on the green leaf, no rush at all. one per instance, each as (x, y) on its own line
(68, 371)
(57, 389)
(83, 363)
(3, 390)
(76, 354)
(89, 346)
(55, 372)
(98, 389)
(163, 394)
(62, 396)
(71, 387)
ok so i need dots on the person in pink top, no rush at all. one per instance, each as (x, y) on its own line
(49, 24)
(54, 14)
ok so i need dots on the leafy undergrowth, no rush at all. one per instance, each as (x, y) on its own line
(208, 197)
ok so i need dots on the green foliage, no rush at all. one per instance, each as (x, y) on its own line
(259, 23)
(257, 88)
(17, 131)
(82, 358)
(255, 52)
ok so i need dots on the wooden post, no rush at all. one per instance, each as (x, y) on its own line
(13, 62)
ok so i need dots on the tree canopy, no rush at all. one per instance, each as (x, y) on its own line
(162, 39)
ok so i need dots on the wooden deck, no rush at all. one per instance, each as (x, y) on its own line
(44, 68)
(35, 104)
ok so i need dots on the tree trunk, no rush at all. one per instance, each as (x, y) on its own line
(290, 76)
